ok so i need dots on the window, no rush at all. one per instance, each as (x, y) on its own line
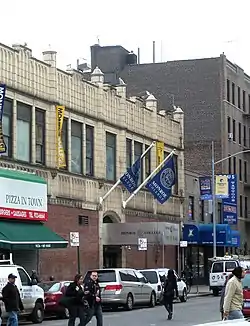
(234, 165)
(228, 90)
(244, 136)
(202, 211)
(76, 147)
(24, 277)
(65, 140)
(230, 266)
(246, 207)
(228, 125)
(191, 208)
(234, 130)
(233, 93)
(229, 164)
(147, 162)
(217, 267)
(140, 277)
(23, 132)
(246, 281)
(89, 150)
(110, 156)
(137, 155)
(40, 136)
(244, 100)
(241, 206)
(239, 124)
(151, 276)
(245, 171)
(240, 169)
(128, 153)
(239, 97)
(249, 103)
(104, 276)
(7, 127)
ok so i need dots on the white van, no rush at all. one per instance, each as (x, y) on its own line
(31, 294)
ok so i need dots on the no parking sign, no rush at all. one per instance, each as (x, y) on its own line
(142, 244)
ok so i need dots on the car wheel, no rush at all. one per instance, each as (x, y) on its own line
(215, 292)
(37, 315)
(130, 302)
(183, 298)
(152, 302)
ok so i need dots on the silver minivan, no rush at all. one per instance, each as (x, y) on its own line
(124, 287)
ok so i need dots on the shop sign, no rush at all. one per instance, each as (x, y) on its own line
(23, 200)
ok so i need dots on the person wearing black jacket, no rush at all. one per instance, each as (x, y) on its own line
(75, 294)
(170, 290)
(12, 300)
(92, 292)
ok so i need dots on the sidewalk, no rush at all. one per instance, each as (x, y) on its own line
(199, 291)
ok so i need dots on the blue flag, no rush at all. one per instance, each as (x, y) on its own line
(161, 184)
(131, 177)
(3, 147)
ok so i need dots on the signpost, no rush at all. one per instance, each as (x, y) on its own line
(75, 242)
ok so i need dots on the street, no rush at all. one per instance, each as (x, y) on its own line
(194, 311)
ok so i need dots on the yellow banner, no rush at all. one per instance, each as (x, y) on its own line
(221, 186)
(159, 152)
(61, 161)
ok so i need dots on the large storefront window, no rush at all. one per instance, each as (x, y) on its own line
(76, 147)
(7, 126)
(23, 132)
(110, 156)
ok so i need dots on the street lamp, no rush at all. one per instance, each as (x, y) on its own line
(213, 190)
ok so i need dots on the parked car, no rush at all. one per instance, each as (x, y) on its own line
(53, 291)
(124, 287)
(246, 294)
(157, 276)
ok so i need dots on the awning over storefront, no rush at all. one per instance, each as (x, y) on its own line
(202, 234)
(26, 235)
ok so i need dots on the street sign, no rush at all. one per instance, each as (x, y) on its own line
(183, 244)
(142, 244)
(74, 239)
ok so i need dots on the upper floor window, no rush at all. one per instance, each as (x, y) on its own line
(191, 208)
(137, 154)
(228, 90)
(175, 187)
(110, 156)
(229, 164)
(89, 150)
(7, 126)
(65, 140)
(147, 162)
(76, 147)
(239, 97)
(244, 136)
(128, 153)
(23, 143)
(240, 169)
(244, 100)
(240, 133)
(233, 93)
(234, 130)
(40, 136)
(229, 125)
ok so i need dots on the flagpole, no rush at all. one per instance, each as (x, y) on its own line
(119, 180)
(124, 203)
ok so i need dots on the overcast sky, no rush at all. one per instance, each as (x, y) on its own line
(182, 29)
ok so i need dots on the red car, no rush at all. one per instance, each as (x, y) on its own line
(246, 294)
(53, 291)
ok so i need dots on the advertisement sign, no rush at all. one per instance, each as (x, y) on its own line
(3, 147)
(61, 161)
(23, 200)
(229, 205)
(161, 184)
(74, 239)
(205, 188)
(221, 186)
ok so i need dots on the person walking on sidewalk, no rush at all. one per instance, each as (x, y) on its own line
(12, 300)
(233, 301)
(169, 292)
(223, 295)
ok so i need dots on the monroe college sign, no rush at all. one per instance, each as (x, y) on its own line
(20, 199)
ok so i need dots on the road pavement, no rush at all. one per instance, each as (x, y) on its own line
(194, 311)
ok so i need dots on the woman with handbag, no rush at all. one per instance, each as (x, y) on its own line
(169, 292)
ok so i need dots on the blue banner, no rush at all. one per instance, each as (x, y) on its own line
(2, 98)
(161, 184)
(205, 188)
(131, 177)
(230, 204)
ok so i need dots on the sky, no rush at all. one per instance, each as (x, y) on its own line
(182, 29)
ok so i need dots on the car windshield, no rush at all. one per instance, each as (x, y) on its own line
(104, 275)
(246, 281)
(151, 276)
(50, 286)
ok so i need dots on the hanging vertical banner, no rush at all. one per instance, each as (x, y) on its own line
(205, 188)
(159, 152)
(221, 186)
(3, 147)
(61, 161)
(131, 177)
(229, 205)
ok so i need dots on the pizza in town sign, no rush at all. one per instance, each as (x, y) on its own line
(24, 197)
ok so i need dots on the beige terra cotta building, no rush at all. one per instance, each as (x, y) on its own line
(103, 132)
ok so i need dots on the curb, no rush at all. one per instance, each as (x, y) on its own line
(197, 295)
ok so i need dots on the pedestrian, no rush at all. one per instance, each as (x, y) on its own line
(223, 295)
(92, 292)
(233, 301)
(74, 294)
(169, 292)
(0, 316)
(12, 300)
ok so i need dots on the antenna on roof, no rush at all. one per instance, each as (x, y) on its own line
(98, 40)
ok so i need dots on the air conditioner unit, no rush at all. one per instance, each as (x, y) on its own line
(230, 136)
